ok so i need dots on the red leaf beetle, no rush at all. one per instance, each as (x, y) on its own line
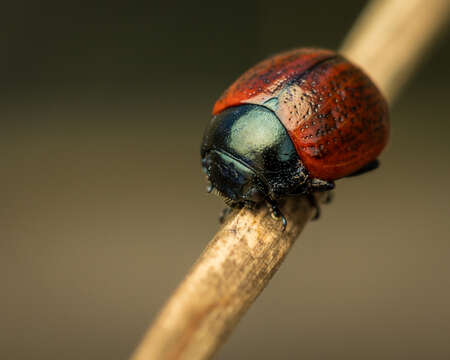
(290, 126)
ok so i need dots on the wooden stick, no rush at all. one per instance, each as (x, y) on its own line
(234, 268)
(238, 263)
(391, 37)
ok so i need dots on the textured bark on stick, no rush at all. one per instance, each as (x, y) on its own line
(248, 249)
(231, 272)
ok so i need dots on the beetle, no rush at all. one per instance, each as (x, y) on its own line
(291, 126)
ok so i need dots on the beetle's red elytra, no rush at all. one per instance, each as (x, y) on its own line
(291, 125)
(334, 114)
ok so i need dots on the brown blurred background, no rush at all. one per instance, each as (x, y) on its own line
(102, 200)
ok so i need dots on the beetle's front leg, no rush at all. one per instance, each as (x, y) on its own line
(276, 212)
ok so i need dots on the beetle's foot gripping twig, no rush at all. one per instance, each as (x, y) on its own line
(225, 212)
(313, 201)
(276, 213)
(329, 197)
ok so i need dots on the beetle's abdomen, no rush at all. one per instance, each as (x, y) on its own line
(336, 118)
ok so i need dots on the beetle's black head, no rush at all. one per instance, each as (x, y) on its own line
(234, 181)
(247, 155)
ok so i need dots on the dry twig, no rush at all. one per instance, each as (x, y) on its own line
(387, 42)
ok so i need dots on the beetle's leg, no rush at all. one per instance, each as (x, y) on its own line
(313, 202)
(276, 212)
(225, 212)
(329, 197)
(366, 168)
(321, 185)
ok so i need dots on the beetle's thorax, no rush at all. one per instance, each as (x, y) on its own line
(248, 156)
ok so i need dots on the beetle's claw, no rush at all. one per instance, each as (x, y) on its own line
(277, 214)
(283, 221)
(225, 212)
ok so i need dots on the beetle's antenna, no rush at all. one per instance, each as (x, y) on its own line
(224, 197)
